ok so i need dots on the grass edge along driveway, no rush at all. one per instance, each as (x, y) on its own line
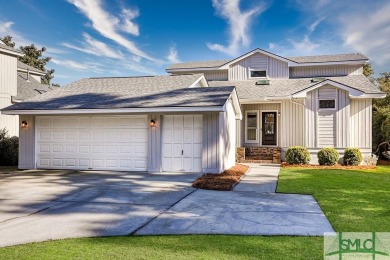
(353, 200)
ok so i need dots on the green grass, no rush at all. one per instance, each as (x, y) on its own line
(171, 247)
(353, 200)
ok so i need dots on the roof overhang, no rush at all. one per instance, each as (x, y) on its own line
(236, 104)
(226, 65)
(113, 111)
(32, 72)
(193, 69)
(330, 63)
(11, 52)
(352, 91)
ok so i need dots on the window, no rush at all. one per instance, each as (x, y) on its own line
(327, 104)
(258, 74)
(251, 126)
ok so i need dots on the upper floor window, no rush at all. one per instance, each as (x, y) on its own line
(258, 73)
(327, 104)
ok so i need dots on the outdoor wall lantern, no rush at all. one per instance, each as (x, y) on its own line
(24, 124)
(152, 123)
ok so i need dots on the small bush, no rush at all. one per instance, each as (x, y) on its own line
(352, 156)
(8, 149)
(370, 160)
(297, 155)
(328, 156)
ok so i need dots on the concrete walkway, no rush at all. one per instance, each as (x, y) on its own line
(252, 208)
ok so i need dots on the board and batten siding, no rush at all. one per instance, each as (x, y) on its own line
(227, 137)
(221, 75)
(321, 71)
(211, 147)
(275, 68)
(327, 119)
(257, 107)
(292, 122)
(27, 143)
(8, 88)
(361, 123)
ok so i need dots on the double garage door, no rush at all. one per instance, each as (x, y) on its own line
(92, 142)
(117, 142)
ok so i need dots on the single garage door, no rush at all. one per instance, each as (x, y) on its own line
(92, 142)
(182, 137)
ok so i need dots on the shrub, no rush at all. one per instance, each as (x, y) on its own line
(297, 155)
(352, 156)
(328, 156)
(8, 149)
(370, 160)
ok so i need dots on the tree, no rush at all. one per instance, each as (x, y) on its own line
(381, 112)
(368, 71)
(8, 41)
(33, 57)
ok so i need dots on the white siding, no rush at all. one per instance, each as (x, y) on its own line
(216, 75)
(259, 107)
(27, 143)
(342, 119)
(318, 71)
(154, 144)
(361, 123)
(211, 147)
(8, 88)
(326, 128)
(275, 68)
(292, 123)
(228, 137)
(311, 133)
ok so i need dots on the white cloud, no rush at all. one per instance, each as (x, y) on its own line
(239, 24)
(95, 47)
(369, 35)
(172, 55)
(108, 25)
(6, 29)
(127, 24)
(82, 66)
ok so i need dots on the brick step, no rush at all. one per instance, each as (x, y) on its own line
(259, 154)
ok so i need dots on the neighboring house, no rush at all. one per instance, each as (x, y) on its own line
(18, 82)
(312, 101)
(193, 120)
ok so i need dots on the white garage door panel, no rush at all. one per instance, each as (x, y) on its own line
(182, 143)
(97, 142)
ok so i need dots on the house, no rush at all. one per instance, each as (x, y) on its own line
(18, 81)
(196, 118)
(311, 101)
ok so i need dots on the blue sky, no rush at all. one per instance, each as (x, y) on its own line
(97, 38)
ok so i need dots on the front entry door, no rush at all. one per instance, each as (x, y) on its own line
(269, 128)
(182, 137)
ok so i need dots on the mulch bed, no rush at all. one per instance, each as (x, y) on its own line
(224, 181)
(383, 162)
(334, 167)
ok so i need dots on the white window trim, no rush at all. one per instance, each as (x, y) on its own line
(257, 127)
(277, 125)
(258, 69)
(327, 109)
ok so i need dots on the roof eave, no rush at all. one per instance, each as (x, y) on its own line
(33, 72)
(14, 53)
(112, 111)
(307, 64)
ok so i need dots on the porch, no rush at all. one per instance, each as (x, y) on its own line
(259, 133)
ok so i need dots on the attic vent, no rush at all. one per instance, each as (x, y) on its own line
(262, 82)
(315, 80)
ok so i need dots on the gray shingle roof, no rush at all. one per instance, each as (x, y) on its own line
(5, 47)
(286, 87)
(329, 58)
(300, 59)
(198, 64)
(140, 92)
(30, 88)
(24, 66)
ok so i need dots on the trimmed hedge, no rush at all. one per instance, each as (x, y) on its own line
(8, 149)
(297, 155)
(328, 156)
(352, 156)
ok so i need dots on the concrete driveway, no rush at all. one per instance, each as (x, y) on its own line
(44, 205)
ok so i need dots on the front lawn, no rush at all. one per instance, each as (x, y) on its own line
(353, 200)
